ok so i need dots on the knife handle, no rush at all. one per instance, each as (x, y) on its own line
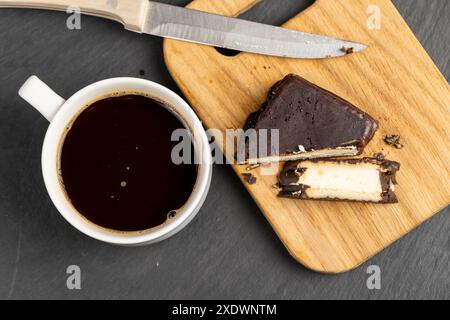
(131, 13)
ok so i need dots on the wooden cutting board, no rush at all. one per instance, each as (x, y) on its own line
(395, 81)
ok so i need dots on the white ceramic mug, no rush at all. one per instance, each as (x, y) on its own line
(60, 113)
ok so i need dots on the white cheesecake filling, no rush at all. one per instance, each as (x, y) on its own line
(342, 181)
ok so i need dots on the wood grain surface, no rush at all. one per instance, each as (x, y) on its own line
(395, 81)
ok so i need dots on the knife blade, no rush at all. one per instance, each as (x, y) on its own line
(210, 29)
(174, 22)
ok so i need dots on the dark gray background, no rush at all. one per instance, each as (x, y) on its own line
(229, 251)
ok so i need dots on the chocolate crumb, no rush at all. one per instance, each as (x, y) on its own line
(379, 156)
(277, 186)
(249, 178)
(348, 50)
(393, 140)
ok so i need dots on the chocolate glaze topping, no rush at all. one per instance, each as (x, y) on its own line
(312, 117)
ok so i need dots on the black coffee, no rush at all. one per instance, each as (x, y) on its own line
(116, 164)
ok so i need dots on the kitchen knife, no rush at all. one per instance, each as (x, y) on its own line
(169, 21)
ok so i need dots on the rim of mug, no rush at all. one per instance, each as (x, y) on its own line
(50, 153)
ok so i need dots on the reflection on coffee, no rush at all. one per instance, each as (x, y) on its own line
(116, 167)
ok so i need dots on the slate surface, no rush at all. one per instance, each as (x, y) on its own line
(229, 251)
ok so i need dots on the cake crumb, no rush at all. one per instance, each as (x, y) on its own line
(348, 50)
(253, 167)
(379, 156)
(393, 140)
(277, 186)
(249, 178)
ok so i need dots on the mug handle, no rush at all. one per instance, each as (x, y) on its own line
(41, 97)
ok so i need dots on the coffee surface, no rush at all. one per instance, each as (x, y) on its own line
(116, 164)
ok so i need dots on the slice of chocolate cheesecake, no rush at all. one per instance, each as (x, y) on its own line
(312, 123)
(365, 180)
